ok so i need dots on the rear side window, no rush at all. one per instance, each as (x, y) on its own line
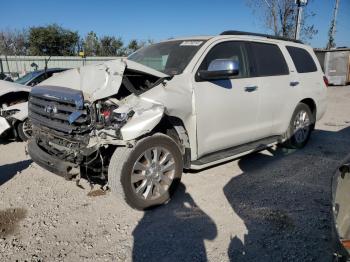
(269, 60)
(302, 60)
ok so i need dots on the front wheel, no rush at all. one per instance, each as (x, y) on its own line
(300, 127)
(147, 174)
(24, 130)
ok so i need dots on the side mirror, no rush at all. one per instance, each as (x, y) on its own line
(220, 69)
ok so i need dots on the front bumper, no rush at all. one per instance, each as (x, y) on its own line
(4, 125)
(52, 164)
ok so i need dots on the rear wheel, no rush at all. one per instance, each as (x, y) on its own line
(147, 174)
(300, 127)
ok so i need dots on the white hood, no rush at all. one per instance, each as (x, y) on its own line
(10, 87)
(98, 81)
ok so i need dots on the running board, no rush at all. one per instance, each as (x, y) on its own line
(233, 152)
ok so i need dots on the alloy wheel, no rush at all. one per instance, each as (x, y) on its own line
(153, 173)
(301, 126)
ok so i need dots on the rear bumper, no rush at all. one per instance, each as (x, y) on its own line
(52, 164)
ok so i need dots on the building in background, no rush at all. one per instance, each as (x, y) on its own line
(335, 64)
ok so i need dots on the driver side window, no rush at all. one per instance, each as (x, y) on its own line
(233, 50)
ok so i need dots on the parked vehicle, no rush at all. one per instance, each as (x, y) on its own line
(184, 103)
(5, 77)
(14, 110)
(341, 212)
(14, 103)
(35, 77)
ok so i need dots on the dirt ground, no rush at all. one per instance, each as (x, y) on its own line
(269, 206)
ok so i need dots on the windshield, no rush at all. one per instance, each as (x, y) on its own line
(24, 79)
(170, 58)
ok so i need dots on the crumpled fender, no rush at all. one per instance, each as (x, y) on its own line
(22, 114)
(10, 87)
(147, 115)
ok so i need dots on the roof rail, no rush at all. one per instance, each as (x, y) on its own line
(233, 32)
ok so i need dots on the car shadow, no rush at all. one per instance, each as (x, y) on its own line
(8, 171)
(5, 141)
(286, 207)
(173, 232)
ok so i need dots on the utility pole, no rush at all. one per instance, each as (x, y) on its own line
(332, 27)
(300, 4)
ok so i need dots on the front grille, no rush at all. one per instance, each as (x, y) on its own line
(59, 109)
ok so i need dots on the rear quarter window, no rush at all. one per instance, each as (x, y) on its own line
(269, 60)
(303, 61)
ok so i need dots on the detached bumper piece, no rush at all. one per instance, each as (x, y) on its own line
(54, 165)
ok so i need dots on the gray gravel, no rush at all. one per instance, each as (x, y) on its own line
(269, 206)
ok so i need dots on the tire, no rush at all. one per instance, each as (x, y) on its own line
(24, 131)
(299, 131)
(150, 186)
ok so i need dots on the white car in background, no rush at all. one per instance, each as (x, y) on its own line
(14, 110)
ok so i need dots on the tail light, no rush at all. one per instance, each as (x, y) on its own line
(346, 243)
(325, 79)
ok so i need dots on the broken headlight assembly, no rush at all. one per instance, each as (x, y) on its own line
(119, 119)
(111, 120)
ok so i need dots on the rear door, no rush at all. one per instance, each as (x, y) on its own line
(310, 76)
(278, 88)
(226, 110)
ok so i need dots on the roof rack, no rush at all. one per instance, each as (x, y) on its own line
(233, 32)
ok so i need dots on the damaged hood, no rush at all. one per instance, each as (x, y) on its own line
(100, 80)
(10, 87)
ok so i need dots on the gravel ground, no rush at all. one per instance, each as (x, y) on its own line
(269, 206)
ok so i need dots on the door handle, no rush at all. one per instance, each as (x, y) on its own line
(294, 83)
(250, 88)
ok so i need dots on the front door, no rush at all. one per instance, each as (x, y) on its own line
(226, 110)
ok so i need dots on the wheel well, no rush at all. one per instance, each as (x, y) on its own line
(175, 128)
(14, 98)
(311, 104)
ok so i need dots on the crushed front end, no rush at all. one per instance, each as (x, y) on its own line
(62, 125)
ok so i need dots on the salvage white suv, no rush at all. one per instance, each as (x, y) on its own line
(189, 103)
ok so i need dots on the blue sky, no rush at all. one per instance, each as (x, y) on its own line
(161, 19)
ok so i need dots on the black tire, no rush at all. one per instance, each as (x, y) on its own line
(121, 168)
(23, 135)
(293, 139)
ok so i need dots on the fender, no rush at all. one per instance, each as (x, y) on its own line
(147, 114)
(22, 114)
(10, 87)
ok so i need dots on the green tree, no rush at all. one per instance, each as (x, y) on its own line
(91, 44)
(331, 41)
(135, 45)
(52, 40)
(332, 29)
(111, 46)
